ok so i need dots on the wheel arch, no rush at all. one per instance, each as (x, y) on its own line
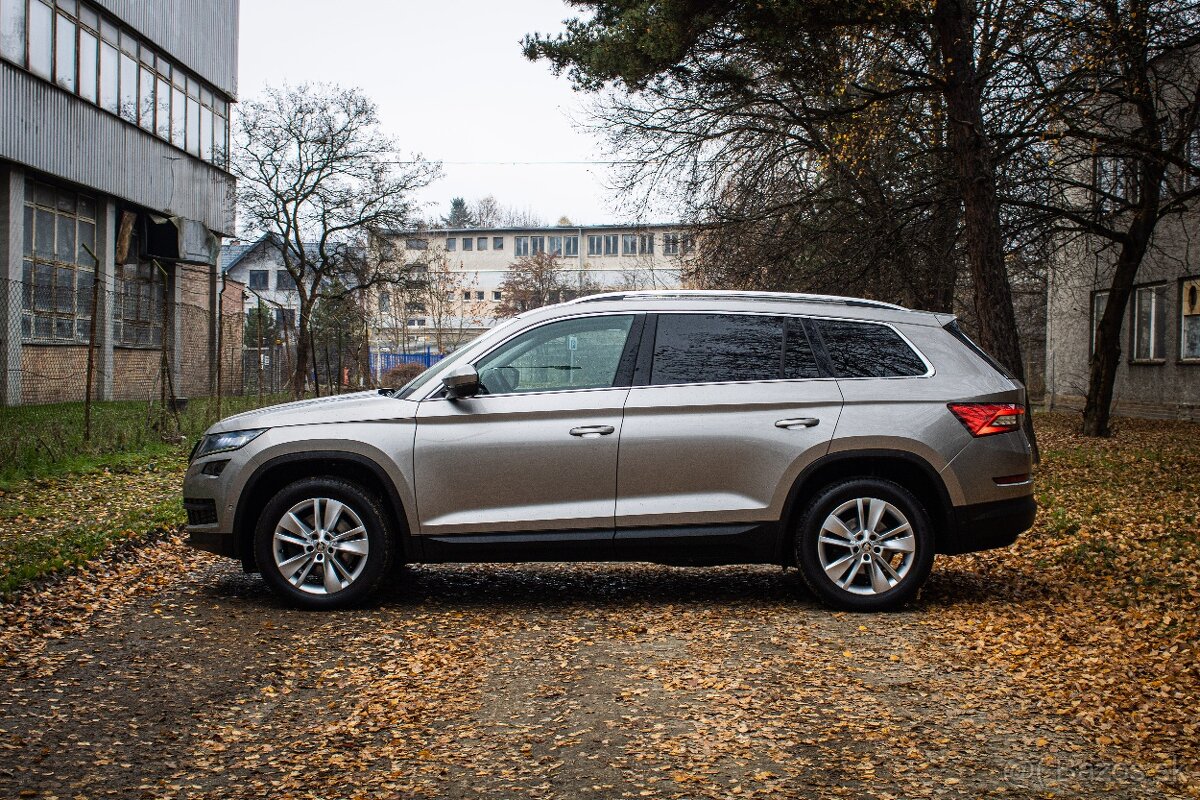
(278, 472)
(906, 469)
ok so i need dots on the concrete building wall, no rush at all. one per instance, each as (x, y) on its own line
(1165, 387)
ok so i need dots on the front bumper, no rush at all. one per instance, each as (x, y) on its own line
(985, 526)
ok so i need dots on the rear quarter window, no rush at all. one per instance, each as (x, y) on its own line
(868, 350)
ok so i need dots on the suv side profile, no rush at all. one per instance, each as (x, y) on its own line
(849, 438)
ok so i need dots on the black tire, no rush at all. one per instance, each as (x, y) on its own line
(375, 563)
(862, 593)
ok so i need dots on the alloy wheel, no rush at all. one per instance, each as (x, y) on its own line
(866, 546)
(320, 546)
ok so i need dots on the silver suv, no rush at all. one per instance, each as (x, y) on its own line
(852, 439)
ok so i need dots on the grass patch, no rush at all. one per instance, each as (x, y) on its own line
(46, 440)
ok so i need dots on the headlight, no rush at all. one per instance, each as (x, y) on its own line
(222, 442)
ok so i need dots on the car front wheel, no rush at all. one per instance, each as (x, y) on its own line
(865, 545)
(323, 543)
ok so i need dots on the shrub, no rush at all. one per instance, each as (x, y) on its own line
(401, 374)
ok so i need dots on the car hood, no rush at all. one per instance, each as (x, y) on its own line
(357, 407)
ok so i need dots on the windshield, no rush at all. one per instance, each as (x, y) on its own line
(457, 357)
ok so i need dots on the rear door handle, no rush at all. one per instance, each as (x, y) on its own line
(798, 422)
(592, 431)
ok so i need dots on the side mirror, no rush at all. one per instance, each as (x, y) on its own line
(461, 381)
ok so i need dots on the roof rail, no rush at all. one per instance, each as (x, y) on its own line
(701, 294)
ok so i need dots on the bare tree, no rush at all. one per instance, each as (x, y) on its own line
(315, 171)
(449, 299)
(539, 280)
(488, 212)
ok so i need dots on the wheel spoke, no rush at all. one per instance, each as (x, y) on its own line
(282, 536)
(879, 581)
(289, 566)
(834, 541)
(887, 567)
(357, 547)
(299, 579)
(833, 524)
(352, 532)
(862, 520)
(900, 544)
(332, 582)
(333, 513)
(875, 514)
(903, 527)
(293, 523)
(849, 577)
(835, 570)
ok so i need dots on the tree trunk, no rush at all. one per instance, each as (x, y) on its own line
(1102, 373)
(303, 346)
(974, 162)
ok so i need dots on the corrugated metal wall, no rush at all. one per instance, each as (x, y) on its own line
(47, 129)
(203, 34)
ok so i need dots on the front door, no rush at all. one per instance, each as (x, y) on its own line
(536, 450)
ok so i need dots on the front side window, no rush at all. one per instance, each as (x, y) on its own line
(868, 350)
(1149, 328)
(1189, 320)
(583, 353)
(717, 348)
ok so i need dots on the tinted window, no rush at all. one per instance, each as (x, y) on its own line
(704, 348)
(580, 353)
(864, 350)
(798, 359)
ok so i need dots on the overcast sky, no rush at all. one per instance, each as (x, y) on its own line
(451, 83)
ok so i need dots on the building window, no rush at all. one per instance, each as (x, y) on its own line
(1099, 303)
(481, 244)
(537, 244)
(594, 245)
(629, 244)
(670, 244)
(467, 295)
(479, 295)
(1189, 320)
(610, 244)
(556, 246)
(415, 306)
(520, 246)
(496, 296)
(416, 244)
(138, 317)
(571, 246)
(57, 270)
(451, 244)
(646, 244)
(417, 323)
(284, 282)
(1149, 324)
(468, 243)
(260, 279)
(87, 54)
(285, 318)
(497, 242)
(385, 302)
(12, 30)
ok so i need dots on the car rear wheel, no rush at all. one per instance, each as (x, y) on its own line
(323, 543)
(865, 545)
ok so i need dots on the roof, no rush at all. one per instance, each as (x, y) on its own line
(233, 254)
(632, 226)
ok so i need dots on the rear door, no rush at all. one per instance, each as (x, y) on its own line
(726, 411)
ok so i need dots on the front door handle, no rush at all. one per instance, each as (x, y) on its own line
(798, 422)
(592, 431)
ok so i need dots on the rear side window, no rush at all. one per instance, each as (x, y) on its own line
(709, 348)
(866, 350)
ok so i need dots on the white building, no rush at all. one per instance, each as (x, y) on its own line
(459, 274)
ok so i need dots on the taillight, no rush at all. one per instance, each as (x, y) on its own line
(984, 419)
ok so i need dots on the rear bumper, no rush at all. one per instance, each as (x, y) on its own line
(985, 526)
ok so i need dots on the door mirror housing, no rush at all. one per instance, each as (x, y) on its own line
(461, 382)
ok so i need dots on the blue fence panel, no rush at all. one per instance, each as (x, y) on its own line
(382, 362)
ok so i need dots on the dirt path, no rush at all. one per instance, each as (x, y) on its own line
(173, 675)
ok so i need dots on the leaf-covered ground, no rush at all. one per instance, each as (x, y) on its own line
(1066, 666)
